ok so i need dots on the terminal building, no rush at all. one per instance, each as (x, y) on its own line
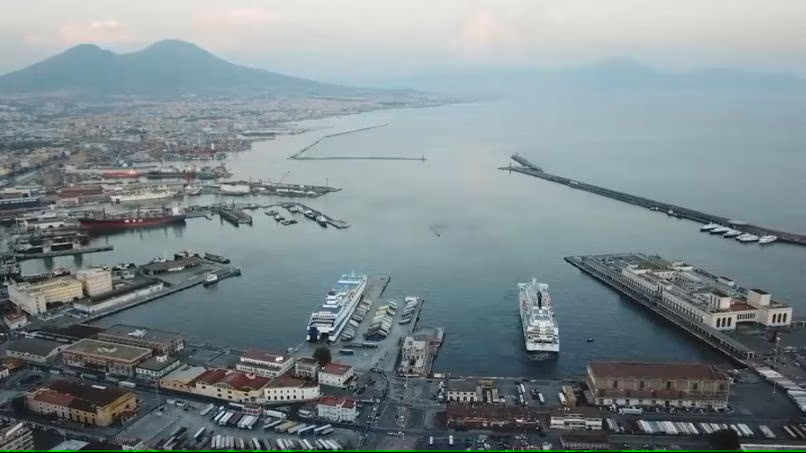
(697, 385)
(158, 341)
(266, 364)
(35, 298)
(94, 405)
(339, 410)
(231, 385)
(704, 298)
(95, 281)
(34, 350)
(336, 375)
(112, 358)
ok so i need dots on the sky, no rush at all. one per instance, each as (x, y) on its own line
(377, 38)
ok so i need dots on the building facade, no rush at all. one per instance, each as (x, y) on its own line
(231, 385)
(156, 368)
(266, 364)
(182, 379)
(336, 375)
(33, 298)
(339, 410)
(699, 385)
(112, 358)
(95, 281)
(584, 441)
(575, 419)
(92, 405)
(285, 388)
(464, 391)
(160, 342)
(306, 367)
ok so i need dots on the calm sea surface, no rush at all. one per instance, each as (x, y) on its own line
(741, 156)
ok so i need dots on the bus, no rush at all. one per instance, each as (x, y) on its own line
(127, 384)
(199, 433)
(562, 398)
(318, 431)
(540, 398)
(305, 430)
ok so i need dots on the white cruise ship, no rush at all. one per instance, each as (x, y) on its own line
(145, 194)
(540, 330)
(330, 318)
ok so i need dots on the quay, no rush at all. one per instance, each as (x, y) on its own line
(339, 224)
(54, 253)
(234, 215)
(528, 168)
(174, 282)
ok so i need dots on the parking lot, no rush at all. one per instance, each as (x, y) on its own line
(157, 426)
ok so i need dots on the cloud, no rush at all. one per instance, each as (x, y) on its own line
(483, 33)
(226, 29)
(108, 31)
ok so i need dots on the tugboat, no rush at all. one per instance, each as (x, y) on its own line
(210, 278)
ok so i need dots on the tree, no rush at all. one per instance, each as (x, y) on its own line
(18, 404)
(322, 355)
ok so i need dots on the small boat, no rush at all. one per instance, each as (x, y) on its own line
(208, 217)
(216, 258)
(279, 218)
(767, 239)
(193, 190)
(271, 213)
(309, 214)
(288, 222)
(732, 233)
(590, 340)
(720, 230)
(293, 209)
(322, 220)
(708, 227)
(210, 278)
(747, 238)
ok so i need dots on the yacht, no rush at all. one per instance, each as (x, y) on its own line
(708, 227)
(732, 233)
(720, 230)
(210, 278)
(747, 237)
(321, 220)
(767, 239)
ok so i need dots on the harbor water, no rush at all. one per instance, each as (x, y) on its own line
(462, 234)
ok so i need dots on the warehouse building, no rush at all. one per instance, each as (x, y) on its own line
(112, 358)
(158, 341)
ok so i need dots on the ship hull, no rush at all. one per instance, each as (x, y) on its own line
(536, 349)
(130, 223)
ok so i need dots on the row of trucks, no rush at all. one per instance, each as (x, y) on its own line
(224, 442)
(694, 429)
(381, 323)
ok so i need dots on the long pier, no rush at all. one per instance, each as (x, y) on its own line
(299, 154)
(528, 168)
(716, 339)
(55, 253)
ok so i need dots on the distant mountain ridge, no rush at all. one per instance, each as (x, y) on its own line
(610, 74)
(169, 67)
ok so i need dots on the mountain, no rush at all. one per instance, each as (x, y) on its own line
(610, 74)
(168, 67)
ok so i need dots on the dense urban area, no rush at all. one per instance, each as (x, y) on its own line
(364, 377)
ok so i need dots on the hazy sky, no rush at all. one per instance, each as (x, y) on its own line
(335, 38)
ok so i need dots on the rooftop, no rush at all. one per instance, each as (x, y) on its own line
(760, 291)
(236, 380)
(185, 374)
(76, 331)
(585, 437)
(288, 381)
(108, 350)
(140, 334)
(345, 403)
(158, 363)
(336, 368)
(682, 370)
(462, 385)
(307, 361)
(493, 412)
(33, 346)
(266, 356)
(83, 397)
(47, 284)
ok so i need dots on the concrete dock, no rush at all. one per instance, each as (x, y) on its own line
(339, 224)
(378, 355)
(529, 168)
(52, 254)
(596, 267)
